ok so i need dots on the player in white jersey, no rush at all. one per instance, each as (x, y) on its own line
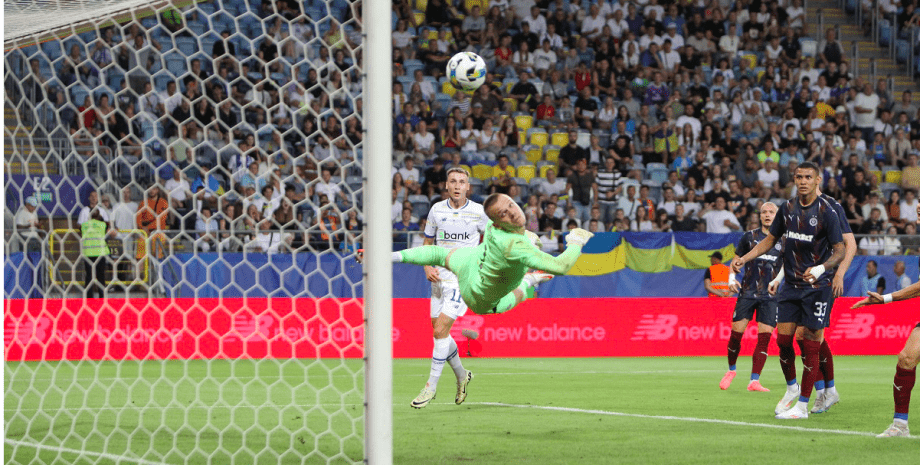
(452, 223)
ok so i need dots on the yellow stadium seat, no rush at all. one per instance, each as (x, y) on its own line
(560, 138)
(448, 89)
(421, 5)
(539, 139)
(512, 103)
(878, 175)
(893, 177)
(432, 34)
(546, 168)
(751, 59)
(552, 155)
(483, 172)
(522, 138)
(523, 122)
(534, 155)
(471, 3)
(419, 17)
(527, 172)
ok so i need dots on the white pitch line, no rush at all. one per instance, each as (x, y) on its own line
(102, 455)
(686, 419)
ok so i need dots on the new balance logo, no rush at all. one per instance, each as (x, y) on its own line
(855, 326)
(655, 328)
(799, 237)
(27, 330)
(252, 328)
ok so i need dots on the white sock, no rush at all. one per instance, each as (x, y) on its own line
(831, 390)
(792, 387)
(454, 359)
(438, 356)
(901, 422)
(397, 257)
(802, 405)
(820, 392)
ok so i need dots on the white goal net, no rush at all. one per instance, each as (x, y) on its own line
(183, 191)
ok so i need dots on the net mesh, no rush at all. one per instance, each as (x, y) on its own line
(214, 315)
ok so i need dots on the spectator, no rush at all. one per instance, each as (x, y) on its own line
(716, 278)
(872, 244)
(892, 243)
(873, 281)
(581, 184)
(902, 279)
(27, 224)
(86, 211)
(178, 189)
(718, 219)
(909, 207)
(682, 222)
(405, 225)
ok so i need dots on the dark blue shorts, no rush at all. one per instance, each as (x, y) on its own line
(766, 310)
(810, 308)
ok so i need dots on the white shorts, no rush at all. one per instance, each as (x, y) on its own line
(446, 299)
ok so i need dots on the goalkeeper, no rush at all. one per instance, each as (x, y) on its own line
(493, 275)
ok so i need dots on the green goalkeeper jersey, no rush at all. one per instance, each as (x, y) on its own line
(496, 267)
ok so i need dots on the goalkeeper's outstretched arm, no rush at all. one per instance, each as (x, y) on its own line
(537, 259)
(874, 298)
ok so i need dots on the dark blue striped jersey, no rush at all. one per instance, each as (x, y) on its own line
(759, 272)
(810, 233)
(841, 214)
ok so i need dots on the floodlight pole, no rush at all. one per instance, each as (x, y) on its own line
(378, 238)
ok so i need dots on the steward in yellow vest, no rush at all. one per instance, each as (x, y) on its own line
(95, 253)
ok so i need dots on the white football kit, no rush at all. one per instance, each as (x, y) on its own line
(453, 228)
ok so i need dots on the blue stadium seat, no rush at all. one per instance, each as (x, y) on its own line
(884, 32)
(187, 45)
(902, 50)
(176, 65)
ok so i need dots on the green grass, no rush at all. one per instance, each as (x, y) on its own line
(291, 411)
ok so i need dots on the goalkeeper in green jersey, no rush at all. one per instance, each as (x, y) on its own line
(494, 275)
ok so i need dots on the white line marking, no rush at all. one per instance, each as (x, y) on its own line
(102, 455)
(687, 419)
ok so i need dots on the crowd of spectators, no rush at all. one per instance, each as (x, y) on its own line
(670, 116)
(613, 116)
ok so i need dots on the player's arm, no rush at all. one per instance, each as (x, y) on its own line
(761, 248)
(874, 298)
(849, 242)
(532, 257)
(835, 236)
(774, 284)
(741, 248)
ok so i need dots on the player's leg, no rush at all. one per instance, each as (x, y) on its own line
(430, 255)
(904, 379)
(453, 307)
(788, 315)
(523, 291)
(826, 371)
(439, 353)
(744, 311)
(819, 405)
(815, 303)
(766, 322)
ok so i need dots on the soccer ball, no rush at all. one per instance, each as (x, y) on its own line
(466, 71)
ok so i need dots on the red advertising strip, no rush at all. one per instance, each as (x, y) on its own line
(118, 329)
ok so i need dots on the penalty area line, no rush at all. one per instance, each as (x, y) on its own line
(101, 455)
(685, 419)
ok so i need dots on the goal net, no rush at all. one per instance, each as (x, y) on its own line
(183, 190)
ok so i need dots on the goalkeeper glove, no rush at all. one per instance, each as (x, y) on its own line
(578, 237)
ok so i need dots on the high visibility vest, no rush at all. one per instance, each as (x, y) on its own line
(94, 245)
(718, 277)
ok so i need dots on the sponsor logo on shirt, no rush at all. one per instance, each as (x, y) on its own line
(800, 237)
(447, 236)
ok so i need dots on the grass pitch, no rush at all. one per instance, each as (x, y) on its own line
(540, 411)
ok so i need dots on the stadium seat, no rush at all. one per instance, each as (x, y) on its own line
(559, 138)
(477, 187)
(539, 137)
(523, 122)
(656, 172)
(419, 17)
(893, 177)
(483, 172)
(533, 153)
(471, 3)
(511, 103)
(526, 172)
(545, 168)
(877, 174)
(884, 32)
(552, 155)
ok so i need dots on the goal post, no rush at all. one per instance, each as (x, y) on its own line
(378, 269)
(214, 321)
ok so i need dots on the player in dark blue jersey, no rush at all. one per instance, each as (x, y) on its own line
(754, 296)
(813, 244)
(826, 394)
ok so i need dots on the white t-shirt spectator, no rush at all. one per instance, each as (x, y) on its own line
(423, 141)
(767, 178)
(544, 59)
(270, 242)
(715, 221)
(123, 215)
(84, 214)
(25, 219)
(548, 189)
(909, 211)
(410, 175)
(178, 189)
(903, 282)
(872, 245)
(329, 189)
(402, 39)
(867, 120)
(595, 24)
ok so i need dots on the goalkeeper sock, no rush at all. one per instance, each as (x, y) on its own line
(454, 359)
(438, 356)
(430, 255)
(510, 301)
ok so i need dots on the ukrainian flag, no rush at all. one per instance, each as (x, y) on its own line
(608, 253)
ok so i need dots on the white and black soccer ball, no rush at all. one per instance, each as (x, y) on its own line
(466, 71)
